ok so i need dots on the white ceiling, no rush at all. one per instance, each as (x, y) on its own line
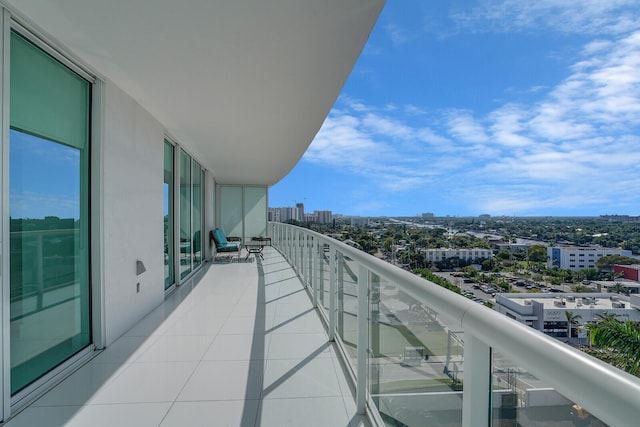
(244, 84)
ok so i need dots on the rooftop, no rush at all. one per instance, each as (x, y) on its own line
(572, 300)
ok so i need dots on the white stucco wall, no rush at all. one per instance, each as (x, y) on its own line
(132, 226)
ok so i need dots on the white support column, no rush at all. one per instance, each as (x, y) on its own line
(333, 285)
(476, 394)
(363, 339)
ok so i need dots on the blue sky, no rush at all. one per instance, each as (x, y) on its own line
(468, 107)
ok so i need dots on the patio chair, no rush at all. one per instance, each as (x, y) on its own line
(224, 244)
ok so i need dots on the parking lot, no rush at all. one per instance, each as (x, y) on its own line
(469, 289)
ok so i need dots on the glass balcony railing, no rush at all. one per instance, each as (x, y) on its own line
(419, 354)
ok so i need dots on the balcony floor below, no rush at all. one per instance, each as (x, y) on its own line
(242, 346)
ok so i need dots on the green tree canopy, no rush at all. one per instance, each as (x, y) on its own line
(623, 338)
(607, 262)
(537, 253)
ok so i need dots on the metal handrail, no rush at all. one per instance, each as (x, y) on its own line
(607, 392)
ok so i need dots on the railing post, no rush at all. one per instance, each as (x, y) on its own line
(301, 267)
(318, 272)
(296, 249)
(310, 247)
(363, 339)
(332, 293)
(476, 392)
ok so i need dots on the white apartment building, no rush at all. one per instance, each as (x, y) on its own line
(474, 254)
(323, 217)
(578, 257)
(359, 221)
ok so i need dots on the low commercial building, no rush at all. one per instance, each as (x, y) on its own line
(631, 272)
(548, 312)
(579, 257)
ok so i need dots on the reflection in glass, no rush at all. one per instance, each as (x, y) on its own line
(49, 213)
(48, 255)
(521, 399)
(169, 276)
(416, 360)
(185, 214)
(348, 305)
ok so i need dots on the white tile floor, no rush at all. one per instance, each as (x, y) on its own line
(242, 347)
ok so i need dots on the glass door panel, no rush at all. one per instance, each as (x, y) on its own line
(255, 212)
(185, 214)
(196, 240)
(49, 213)
(48, 256)
(169, 275)
(231, 210)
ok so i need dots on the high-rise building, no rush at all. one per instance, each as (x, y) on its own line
(323, 217)
(300, 211)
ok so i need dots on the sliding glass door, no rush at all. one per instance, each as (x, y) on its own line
(169, 260)
(49, 213)
(191, 214)
(196, 240)
(185, 214)
(243, 210)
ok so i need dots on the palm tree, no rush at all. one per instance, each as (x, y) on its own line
(618, 288)
(572, 320)
(623, 338)
(604, 316)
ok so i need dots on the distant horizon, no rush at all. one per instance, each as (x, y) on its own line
(419, 215)
(484, 106)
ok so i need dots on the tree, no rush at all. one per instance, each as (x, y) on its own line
(606, 262)
(605, 316)
(581, 289)
(537, 253)
(590, 273)
(572, 320)
(388, 243)
(618, 288)
(623, 338)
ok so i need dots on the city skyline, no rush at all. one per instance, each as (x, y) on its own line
(484, 107)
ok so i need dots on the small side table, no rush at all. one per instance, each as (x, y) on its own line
(267, 240)
(254, 247)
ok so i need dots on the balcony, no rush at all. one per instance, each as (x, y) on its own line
(239, 345)
(319, 333)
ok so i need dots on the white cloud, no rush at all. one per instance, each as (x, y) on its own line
(507, 126)
(397, 34)
(565, 16)
(466, 128)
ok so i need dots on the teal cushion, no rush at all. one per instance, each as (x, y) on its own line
(220, 237)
